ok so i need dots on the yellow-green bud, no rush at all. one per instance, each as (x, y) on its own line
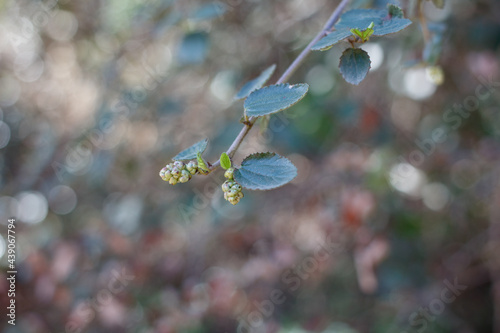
(225, 187)
(229, 173)
(175, 172)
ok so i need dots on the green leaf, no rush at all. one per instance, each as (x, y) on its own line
(391, 26)
(356, 32)
(331, 39)
(191, 152)
(365, 34)
(395, 11)
(385, 22)
(354, 65)
(225, 161)
(255, 83)
(274, 98)
(361, 18)
(264, 171)
(201, 163)
(434, 47)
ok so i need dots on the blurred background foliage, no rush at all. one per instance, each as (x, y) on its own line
(97, 96)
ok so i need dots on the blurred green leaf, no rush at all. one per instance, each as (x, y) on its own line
(255, 83)
(193, 48)
(274, 98)
(354, 65)
(407, 225)
(265, 171)
(434, 46)
(191, 152)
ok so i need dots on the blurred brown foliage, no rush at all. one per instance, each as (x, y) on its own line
(385, 214)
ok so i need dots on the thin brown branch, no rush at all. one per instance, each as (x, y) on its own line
(286, 75)
(423, 21)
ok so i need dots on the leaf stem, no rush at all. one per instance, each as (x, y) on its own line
(286, 75)
(423, 21)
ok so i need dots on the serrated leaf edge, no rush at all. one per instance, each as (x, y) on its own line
(271, 69)
(265, 153)
(188, 159)
(326, 48)
(394, 32)
(340, 67)
(391, 5)
(290, 86)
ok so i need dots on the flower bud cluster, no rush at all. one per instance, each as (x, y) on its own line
(231, 189)
(178, 172)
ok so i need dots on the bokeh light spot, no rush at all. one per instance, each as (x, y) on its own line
(320, 80)
(435, 196)
(32, 72)
(405, 114)
(32, 207)
(8, 208)
(63, 26)
(2, 246)
(376, 53)
(222, 86)
(465, 173)
(4, 134)
(407, 179)
(62, 199)
(123, 213)
(10, 90)
(417, 84)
